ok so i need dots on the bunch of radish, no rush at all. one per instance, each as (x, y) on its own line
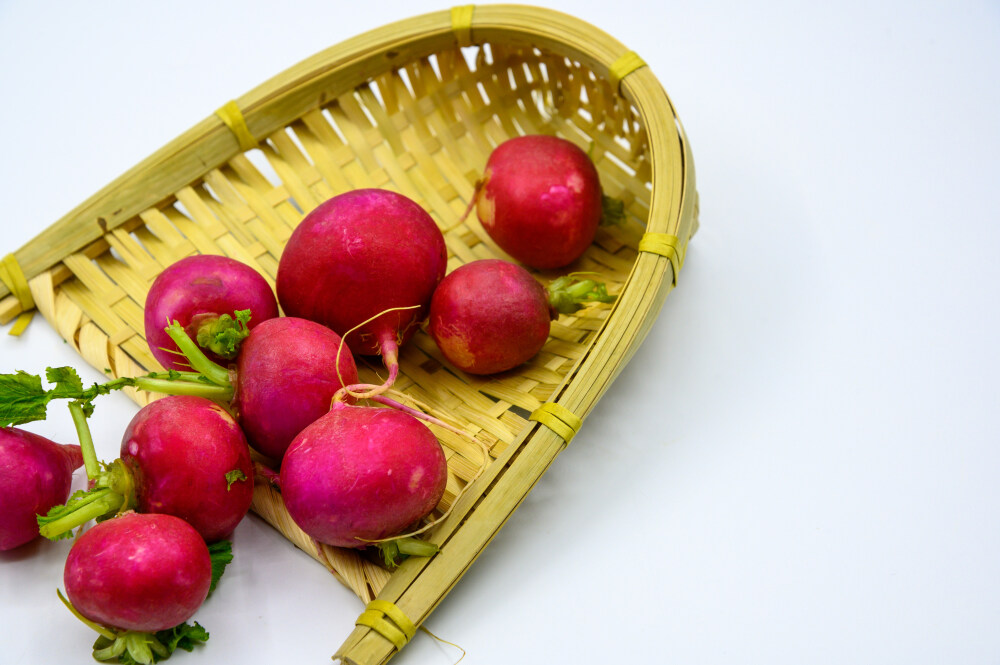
(359, 276)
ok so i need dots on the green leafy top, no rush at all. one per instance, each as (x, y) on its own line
(569, 293)
(134, 648)
(24, 400)
(221, 554)
(612, 211)
(223, 335)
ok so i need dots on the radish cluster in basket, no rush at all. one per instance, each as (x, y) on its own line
(355, 468)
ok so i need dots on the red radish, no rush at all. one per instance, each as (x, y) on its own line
(189, 458)
(489, 316)
(356, 256)
(180, 455)
(35, 475)
(201, 292)
(286, 375)
(361, 474)
(141, 572)
(540, 200)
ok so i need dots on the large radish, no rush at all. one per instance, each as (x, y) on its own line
(356, 257)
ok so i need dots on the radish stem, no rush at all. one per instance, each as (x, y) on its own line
(212, 371)
(90, 462)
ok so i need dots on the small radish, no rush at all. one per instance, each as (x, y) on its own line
(35, 475)
(354, 257)
(490, 315)
(180, 455)
(540, 200)
(362, 474)
(189, 458)
(286, 375)
(136, 579)
(201, 292)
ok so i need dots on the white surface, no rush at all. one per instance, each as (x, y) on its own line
(818, 484)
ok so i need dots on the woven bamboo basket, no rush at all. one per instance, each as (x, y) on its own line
(416, 107)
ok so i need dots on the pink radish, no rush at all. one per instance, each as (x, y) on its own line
(540, 200)
(287, 372)
(356, 256)
(362, 474)
(35, 475)
(188, 458)
(201, 292)
(143, 572)
(286, 377)
(490, 316)
(180, 455)
(136, 579)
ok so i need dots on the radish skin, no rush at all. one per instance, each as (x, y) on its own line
(141, 572)
(196, 292)
(286, 376)
(179, 450)
(362, 474)
(540, 200)
(356, 256)
(489, 316)
(35, 475)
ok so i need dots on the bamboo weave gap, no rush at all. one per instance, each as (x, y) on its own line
(407, 109)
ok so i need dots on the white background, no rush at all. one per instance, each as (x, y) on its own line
(801, 463)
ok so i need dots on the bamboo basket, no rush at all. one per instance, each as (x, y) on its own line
(416, 107)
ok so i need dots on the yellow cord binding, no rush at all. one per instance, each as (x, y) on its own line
(559, 419)
(12, 275)
(231, 114)
(624, 66)
(666, 245)
(461, 24)
(377, 616)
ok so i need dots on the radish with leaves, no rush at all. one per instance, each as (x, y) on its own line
(35, 475)
(287, 372)
(200, 292)
(540, 200)
(136, 580)
(180, 455)
(490, 315)
(365, 264)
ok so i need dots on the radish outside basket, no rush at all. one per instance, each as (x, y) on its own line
(416, 107)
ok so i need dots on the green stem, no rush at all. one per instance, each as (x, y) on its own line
(214, 372)
(90, 624)
(567, 296)
(96, 503)
(218, 393)
(416, 547)
(90, 462)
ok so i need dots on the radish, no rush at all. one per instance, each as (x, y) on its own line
(35, 475)
(286, 375)
(354, 257)
(180, 455)
(137, 575)
(362, 474)
(490, 315)
(189, 458)
(540, 200)
(200, 292)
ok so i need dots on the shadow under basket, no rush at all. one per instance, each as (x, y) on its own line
(416, 107)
